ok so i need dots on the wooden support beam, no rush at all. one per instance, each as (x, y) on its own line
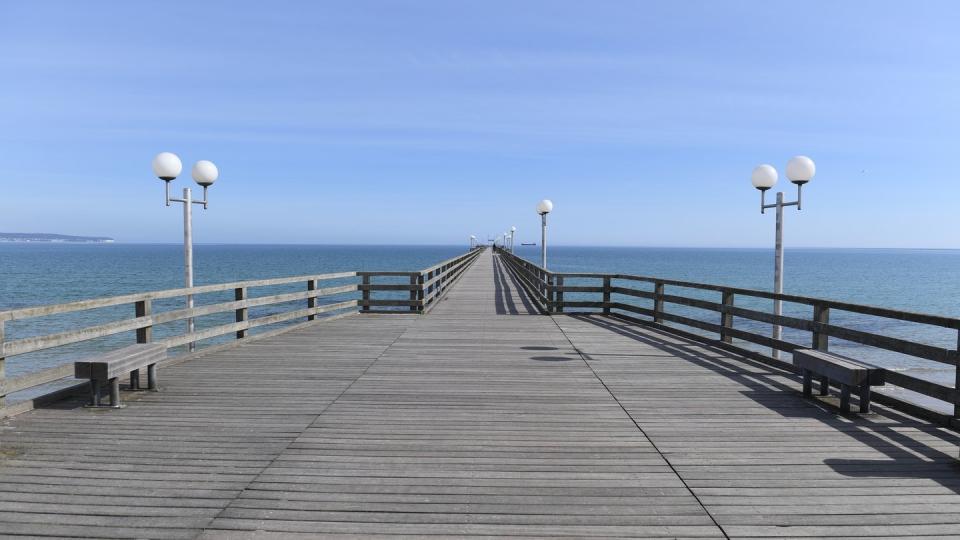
(606, 295)
(365, 305)
(240, 315)
(657, 301)
(143, 308)
(726, 318)
(311, 300)
(821, 316)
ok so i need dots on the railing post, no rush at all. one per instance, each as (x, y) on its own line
(365, 293)
(420, 295)
(657, 302)
(3, 372)
(606, 295)
(142, 308)
(311, 300)
(551, 293)
(726, 318)
(240, 315)
(413, 293)
(558, 284)
(956, 369)
(821, 315)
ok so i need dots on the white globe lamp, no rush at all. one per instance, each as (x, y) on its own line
(205, 173)
(167, 166)
(764, 177)
(800, 169)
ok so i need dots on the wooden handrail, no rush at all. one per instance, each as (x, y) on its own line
(95, 303)
(423, 294)
(548, 288)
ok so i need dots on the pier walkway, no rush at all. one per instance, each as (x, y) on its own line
(481, 418)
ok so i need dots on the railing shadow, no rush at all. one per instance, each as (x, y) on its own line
(506, 286)
(886, 431)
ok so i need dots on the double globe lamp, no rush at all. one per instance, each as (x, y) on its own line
(167, 166)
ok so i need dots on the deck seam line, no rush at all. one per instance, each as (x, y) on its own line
(641, 430)
(294, 439)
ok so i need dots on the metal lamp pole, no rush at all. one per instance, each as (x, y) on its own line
(800, 170)
(544, 208)
(513, 232)
(167, 167)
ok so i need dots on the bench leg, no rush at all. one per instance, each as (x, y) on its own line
(152, 377)
(135, 379)
(844, 398)
(807, 383)
(824, 386)
(94, 393)
(865, 398)
(115, 392)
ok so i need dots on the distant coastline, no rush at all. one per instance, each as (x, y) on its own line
(53, 238)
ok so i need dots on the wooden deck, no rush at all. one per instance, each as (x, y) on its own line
(479, 419)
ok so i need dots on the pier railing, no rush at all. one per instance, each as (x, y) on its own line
(615, 294)
(425, 287)
(228, 311)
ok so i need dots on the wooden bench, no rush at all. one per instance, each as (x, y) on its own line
(846, 372)
(108, 368)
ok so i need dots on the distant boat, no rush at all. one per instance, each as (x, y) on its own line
(530, 244)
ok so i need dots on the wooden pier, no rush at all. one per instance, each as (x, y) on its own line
(483, 417)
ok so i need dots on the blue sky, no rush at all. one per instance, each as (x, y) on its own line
(424, 122)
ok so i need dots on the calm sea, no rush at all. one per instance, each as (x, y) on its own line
(915, 280)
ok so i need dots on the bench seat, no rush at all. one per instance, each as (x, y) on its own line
(107, 368)
(847, 372)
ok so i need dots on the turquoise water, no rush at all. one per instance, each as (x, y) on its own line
(915, 280)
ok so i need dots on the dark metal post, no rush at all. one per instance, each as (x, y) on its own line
(726, 318)
(240, 294)
(114, 392)
(311, 300)
(152, 377)
(606, 295)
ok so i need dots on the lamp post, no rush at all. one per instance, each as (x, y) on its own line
(800, 169)
(544, 208)
(513, 232)
(167, 166)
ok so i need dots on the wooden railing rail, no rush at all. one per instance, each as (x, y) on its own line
(551, 291)
(145, 318)
(424, 288)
